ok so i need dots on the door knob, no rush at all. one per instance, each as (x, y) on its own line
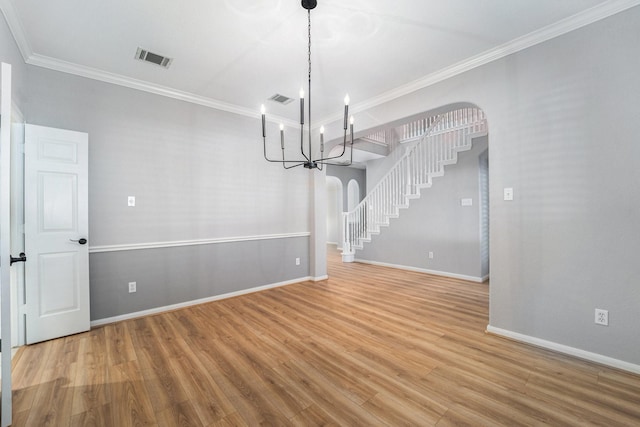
(82, 241)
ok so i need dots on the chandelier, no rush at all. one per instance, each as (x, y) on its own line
(307, 160)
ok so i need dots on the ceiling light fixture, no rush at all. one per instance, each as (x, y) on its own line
(308, 161)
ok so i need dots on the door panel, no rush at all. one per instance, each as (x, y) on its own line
(55, 299)
(56, 219)
(58, 193)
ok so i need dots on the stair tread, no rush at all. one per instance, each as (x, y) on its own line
(407, 187)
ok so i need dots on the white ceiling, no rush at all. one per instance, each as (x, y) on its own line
(235, 54)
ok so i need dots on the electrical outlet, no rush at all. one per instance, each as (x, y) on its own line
(602, 317)
(430, 255)
(131, 201)
(297, 261)
(132, 287)
(508, 194)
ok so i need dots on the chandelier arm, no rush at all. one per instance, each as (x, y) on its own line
(300, 161)
(293, 166)
(307, 158)
(324, 161)
(344, 149)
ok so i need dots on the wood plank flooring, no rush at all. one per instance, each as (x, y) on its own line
(371, 346)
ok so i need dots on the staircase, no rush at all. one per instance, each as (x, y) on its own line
(432, 143)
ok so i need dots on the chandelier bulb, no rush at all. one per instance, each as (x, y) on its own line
(351, 120)
(321, 129)
(301, 93)
(262, 109)
(281, 126)
(346, 99)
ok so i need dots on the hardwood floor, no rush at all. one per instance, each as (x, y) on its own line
(371, 346)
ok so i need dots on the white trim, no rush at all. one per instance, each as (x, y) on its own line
(171, 307)
(178, 243)
(15, 25)
(424, 270)
(571, 23)
(16, 113)
(320, 278)
(561, 348)
(120, 80)
(348, 256)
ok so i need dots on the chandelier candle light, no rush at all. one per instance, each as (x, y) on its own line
(307, 159)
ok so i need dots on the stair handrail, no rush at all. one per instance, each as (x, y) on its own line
(429, 132)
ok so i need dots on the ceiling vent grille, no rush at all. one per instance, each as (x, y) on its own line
(281, 99)
(154, 58)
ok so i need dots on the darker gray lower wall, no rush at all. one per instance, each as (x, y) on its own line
(166, 276)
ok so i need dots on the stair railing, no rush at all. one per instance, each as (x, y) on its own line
(438, 140)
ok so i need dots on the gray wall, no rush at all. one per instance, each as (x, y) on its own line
(563, 133)
(197, 173)
(436, 222)
(174, 275)
(10, 54)
(334, 214)
(346, 174)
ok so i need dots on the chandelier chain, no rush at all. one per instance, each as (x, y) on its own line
(309, 95)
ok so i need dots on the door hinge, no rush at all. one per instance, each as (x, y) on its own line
(20, 258)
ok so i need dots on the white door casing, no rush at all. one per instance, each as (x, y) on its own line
(56, 233)
(5, 240)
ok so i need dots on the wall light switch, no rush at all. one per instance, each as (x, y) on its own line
(297, 261)
(131, 201)
(466, 202)
(508, 193)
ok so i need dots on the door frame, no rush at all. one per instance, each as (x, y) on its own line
(17, 225)
(5, 249)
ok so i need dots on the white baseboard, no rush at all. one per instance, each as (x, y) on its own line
(424, 270)
(171, 307)
(319, 278)
(561, 348)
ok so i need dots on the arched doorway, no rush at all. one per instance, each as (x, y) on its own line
(353, 194)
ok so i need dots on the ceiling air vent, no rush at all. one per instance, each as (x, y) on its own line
(154, 58)
(281, 99)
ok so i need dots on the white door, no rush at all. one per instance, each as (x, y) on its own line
(56, 233)
(5, 240)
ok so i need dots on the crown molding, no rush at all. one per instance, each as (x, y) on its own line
(16, 28)
(120, 80)
(564, 26)
(574, 22)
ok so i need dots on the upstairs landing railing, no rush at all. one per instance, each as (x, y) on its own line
(438, 140)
